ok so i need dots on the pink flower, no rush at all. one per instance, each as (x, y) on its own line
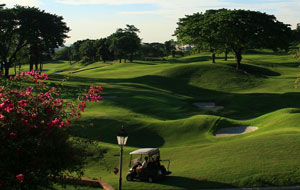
(55, 122)
(68, 122)
(2, 117)
(13, 135)
(20, 178)
(18, 150)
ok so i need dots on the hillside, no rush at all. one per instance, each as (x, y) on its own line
(154, 100)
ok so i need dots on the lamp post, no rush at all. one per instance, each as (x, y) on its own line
(122, 139)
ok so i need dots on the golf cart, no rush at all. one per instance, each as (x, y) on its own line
(153, 171)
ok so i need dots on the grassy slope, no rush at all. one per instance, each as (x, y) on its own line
(154, 101)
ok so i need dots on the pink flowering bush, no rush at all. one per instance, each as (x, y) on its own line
(35, 134)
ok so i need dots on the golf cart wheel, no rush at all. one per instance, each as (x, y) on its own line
(150, 179)
(129, 178)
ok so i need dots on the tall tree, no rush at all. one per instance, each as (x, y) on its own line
(88, 51)
(125, 42)
(103, 50)
(235, 29)
(200, 29)
(250, 29)
(29, 27)
(11, 40)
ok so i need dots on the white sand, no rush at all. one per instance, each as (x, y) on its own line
(232, 131)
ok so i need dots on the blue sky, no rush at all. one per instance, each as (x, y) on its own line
(156, 19)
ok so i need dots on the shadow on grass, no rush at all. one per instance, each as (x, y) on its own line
(108, 129)
(189, 183)
(190, 60)
(265, 52)
(168, 98)
(256, 70)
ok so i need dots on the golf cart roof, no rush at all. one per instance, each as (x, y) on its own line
(147, 151)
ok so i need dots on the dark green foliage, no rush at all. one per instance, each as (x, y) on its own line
(32, 29)
(169, 46)
(63, 54)
(152, 50)
(235, 29)
(125, 42)
(103, 49)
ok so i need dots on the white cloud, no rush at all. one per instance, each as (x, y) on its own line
(169, 11)
(11, 3)
(284, 10)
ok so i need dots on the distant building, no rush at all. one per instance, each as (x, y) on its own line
(298, 26)
(184, 47)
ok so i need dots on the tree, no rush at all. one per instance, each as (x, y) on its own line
(152, 50)
(169, 46)
(63, 53)
(103, 50)
(11, 42)
(88, 51)
(235, 29)
(29, 27)
(125, 42)
(36, 143)
(75, 50)
(200, 29)
(250, 29)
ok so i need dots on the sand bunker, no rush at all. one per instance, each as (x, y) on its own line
(232, 131)
(208, 106)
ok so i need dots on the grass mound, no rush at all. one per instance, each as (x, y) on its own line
(220, 76)
(154, 101)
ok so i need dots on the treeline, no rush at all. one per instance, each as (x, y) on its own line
(226, 30)
(124, 44)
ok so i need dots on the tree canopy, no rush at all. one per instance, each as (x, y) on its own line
(125, 42)
(32, 29)
(235, 29)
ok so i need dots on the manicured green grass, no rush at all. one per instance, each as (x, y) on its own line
(153, 100)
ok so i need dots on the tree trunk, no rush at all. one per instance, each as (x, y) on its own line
(41, 67)
(15, 68)
(173, 53)
(6, 65)
(226, 54)
(2, 67)
(36, 65)
(213, 57)
(31, 67)
(20, 65)
(120, 60)
(238, 55)
(131, 58)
